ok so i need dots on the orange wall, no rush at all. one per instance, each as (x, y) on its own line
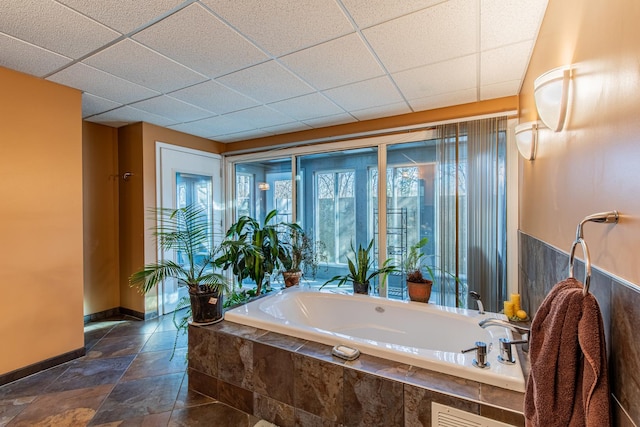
(100, 190)
(594, 164)
(41, 252)
(137, 154)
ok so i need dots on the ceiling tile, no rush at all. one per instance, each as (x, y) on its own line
(336, 119)
(444, 100)
(284, 26)
(266, 82)
(287, 128)
(123, 15)
(499, 90)
(215, 97)
(369, 12)
(260, 117)
(134, 62)
(240, 136)
(505, 63)
(394, 109)
(334, 63)
(192, 128)
(27, 58)
(427, 36)
(172, 108)
(92, 105)
(221, 125)
(504, 22)
(126, 115)
(307, 107)
(444, 77)
(104, 85)
(206, 44)
(366, 94)
(54, 27)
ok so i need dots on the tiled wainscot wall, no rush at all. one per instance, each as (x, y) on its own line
(542, 266)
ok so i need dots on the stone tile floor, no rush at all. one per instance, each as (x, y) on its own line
(127, 378)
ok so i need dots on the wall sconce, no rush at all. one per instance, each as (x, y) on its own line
(527, 139)
(552, 96)
(263, 186)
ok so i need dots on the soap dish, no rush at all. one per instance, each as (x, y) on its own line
(346, 353)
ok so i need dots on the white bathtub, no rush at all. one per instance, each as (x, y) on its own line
(423, 335)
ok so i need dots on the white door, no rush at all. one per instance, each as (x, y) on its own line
(186, 176)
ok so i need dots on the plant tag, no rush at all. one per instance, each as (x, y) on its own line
(213, 300)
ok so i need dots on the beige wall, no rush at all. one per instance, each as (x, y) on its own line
(100, 190)
(41, 254)
(594, 164)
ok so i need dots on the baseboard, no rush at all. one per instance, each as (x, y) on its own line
(41, 366)
(119, 311)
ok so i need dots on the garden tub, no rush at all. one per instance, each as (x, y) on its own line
(423, 335)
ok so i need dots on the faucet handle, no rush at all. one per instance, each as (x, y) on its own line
(506, 350)
(481, 355)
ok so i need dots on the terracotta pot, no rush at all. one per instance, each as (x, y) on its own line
(291, 278)
(361, 288)
(420, 292)
(206, 306)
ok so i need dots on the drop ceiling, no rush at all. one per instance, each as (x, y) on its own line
(232, 70)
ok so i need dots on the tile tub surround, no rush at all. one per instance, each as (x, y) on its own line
(294, 382)
(541, 266)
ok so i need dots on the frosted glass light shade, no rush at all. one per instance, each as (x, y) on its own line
(527, 139)
(552, 95)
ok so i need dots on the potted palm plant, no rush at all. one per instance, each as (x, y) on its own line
(361, 270)
(186, 231)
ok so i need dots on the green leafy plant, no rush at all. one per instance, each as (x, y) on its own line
(187, 231)
(302, 253)
(414, 264)
(251, 249)
(362, 267)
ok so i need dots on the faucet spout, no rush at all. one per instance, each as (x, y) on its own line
(485, 323)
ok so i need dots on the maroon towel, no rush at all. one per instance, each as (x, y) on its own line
(568, 383)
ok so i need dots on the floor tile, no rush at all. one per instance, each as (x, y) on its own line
(166, 340)
(213, 414)
(9, 408)
(66, 408)
(157, 363)
(117, 346)
(32, 385)
(139, 398)
(187, 398)
(91, 372)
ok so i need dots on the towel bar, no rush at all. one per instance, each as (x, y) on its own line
(602, 217)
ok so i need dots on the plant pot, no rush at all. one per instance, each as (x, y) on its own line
(291, 278)
(419, 291)
(206, 306)
(361, 288)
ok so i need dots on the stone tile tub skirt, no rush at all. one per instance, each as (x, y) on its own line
(291, 381)
(423, 335)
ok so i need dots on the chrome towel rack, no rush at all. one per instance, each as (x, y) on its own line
(602, 217)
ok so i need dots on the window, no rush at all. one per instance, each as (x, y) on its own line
(335, 213)
(446, 185)
(244, 194)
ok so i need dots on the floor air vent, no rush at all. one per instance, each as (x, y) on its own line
(446, 416)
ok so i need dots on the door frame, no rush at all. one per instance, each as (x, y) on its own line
(217, 192)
